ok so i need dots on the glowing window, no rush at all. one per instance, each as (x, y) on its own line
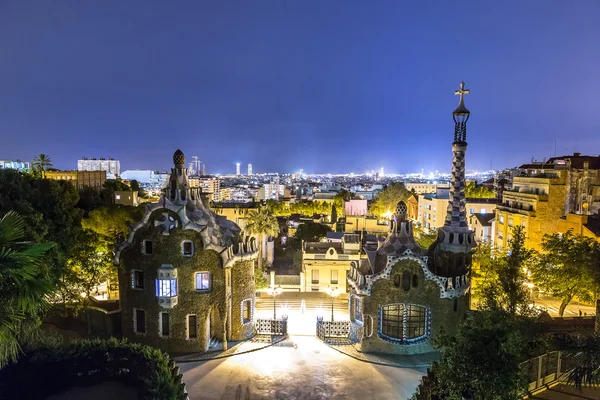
(203, 280)
(166, 287)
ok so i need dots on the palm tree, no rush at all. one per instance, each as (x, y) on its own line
(42, 162)
(261, 223)
(23, 288)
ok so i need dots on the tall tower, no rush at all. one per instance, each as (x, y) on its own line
(455, 241)
(249, 169)
(237, 168)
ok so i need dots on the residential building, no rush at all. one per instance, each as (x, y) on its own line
(147, 178)
(482, 226)
(403, 295)
(413, 208)
(355, 207)
(363, 224)
(110, 165)
(185, 277)
(542, 195)
(249, 169)
(273, 191)
(211, 187)
(17, 164)
(586, 225)
(433, 209)
(423, 187)
(235, 212)
(126, 198)
(324, 196)
(326, 264)
(79, 179)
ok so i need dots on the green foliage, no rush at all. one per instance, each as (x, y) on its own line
(112, 222)
(89, 265)
(55, 369)
(475, 191)
(424, 239)
(48, 208)
(389, 198)
(310, 231)
(308, 208)
(23, 285)
(334, 215)
(41, 163)
(482, 360)
(260, 280)
(568, 267)
(504, 287)
(134, 185)
(261, 223)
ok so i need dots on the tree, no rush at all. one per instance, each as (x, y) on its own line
(110, 187)
(482, 360)
(505, 286)
(389, 198)
(23, 286)
(475, 191)
(310, 231)
(260, 280)
(135, 185)
(261, 223)
(41, 163)
(48, 208)
(89, 266)
(334, 216)
(112, 222)
(568, 268)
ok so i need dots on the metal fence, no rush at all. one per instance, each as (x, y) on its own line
(333, 329)
(275, 327)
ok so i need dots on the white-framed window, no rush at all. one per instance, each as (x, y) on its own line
(166, 287)
(137, 279)
(246, 311)
(139, 321)
(334, 276)
(315, 276)
(471, 211)
(501, 219)
(164, 324)
(187, 248)
(147, 246)
(192, 327)
(203, 280)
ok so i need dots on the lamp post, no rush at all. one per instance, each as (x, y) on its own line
(274, 291)
(333, 292)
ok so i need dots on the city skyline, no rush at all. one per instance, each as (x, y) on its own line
(134, 93)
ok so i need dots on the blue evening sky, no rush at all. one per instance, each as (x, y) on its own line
(324, 85)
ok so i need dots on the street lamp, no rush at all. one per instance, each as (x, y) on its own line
(333, 292)
(274, 291)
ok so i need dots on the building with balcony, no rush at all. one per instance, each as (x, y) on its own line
(79, 179)
(111, 166)
(326, 264)
(541, 197)
(273, 191)
(432, 209)
(210, 187)
(186, 278)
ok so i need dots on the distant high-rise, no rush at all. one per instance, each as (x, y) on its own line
(18, 165)
(110, 165)
(237, 168)
(249, 169)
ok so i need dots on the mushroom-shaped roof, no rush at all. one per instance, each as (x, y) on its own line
(179, 158)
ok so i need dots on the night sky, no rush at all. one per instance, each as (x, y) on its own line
(328, 86)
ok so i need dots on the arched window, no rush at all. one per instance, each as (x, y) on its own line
(455, 305)
(415, 280)
(397, 280)
(406, 281)
(403, 323)
(368, 327)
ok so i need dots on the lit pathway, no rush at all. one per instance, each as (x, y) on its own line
(299, 368)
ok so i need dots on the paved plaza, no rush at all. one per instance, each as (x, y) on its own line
(300, 368)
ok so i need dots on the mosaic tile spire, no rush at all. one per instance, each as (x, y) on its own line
(456, 217)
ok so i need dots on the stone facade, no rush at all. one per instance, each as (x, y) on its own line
(185, 276)
(402, 294)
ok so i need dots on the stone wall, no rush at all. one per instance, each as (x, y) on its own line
(426, 294)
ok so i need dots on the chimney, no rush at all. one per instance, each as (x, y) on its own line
(576, 154)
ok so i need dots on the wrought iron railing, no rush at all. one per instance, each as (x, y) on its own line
(332, 329)
(275, 327)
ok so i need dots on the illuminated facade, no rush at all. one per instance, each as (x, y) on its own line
(402, 294)
(79, 179)
(186, 279)
(110, 165)
(18, 165)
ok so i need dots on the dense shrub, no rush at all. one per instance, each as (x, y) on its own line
(53, 369)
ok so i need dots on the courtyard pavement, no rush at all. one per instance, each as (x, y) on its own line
(300, 368)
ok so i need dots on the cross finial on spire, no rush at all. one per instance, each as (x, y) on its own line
(462, 91)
